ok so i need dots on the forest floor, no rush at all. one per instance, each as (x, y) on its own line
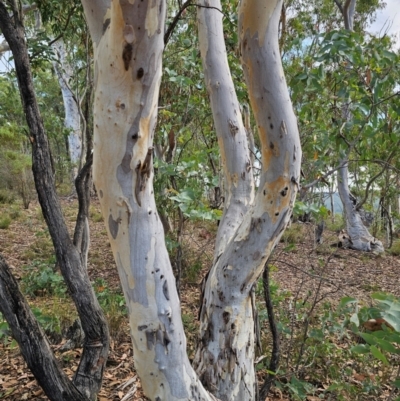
(308, 282)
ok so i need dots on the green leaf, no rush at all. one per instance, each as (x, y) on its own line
(346, 301)
(354, 319)
(378, 354)
(334, 386)
(386, 346)
(360, 349)
(369, 338)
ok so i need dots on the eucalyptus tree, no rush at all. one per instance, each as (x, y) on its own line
(128, 45)
(342, 77)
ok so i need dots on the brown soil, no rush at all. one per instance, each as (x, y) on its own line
(303, 270)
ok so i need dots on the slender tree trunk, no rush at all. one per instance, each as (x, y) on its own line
(232, 137)
(128, 47)
(88, 377)
(214, 365)
(226, 351)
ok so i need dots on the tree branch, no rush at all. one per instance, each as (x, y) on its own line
(323, 177)
(175, 21)
(339, 4)
(375, 177)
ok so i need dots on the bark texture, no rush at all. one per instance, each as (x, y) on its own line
(128, 45)
(33, 342)
(226, 351)
(89, 374)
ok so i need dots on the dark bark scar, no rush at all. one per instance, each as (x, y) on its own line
(127, 55)
(142, 175)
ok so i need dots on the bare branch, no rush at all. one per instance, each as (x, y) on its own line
(174, 22)
(375, 177)
(339, 4)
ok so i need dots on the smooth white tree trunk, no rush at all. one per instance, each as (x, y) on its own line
(232, 137)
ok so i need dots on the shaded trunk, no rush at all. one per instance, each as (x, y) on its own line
(89, 373)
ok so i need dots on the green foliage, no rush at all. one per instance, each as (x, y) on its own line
(317, 212)
(341, 70)
(41, 279)
(113, 305)
(6, 196)
(95, 214)
(4, 330)
(293, 235)
(5, 221)
(329, 344)
(395, 249)
(336, 225)
(50, 322)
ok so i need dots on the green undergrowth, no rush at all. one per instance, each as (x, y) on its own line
(48, 295)
(327, 351)
(395, 248)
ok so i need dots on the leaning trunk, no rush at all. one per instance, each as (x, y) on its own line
(33, 342)
(226, 351)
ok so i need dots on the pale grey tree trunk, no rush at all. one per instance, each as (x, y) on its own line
(72, 120)
(359, 237)
(225, 356)
(128, 45)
